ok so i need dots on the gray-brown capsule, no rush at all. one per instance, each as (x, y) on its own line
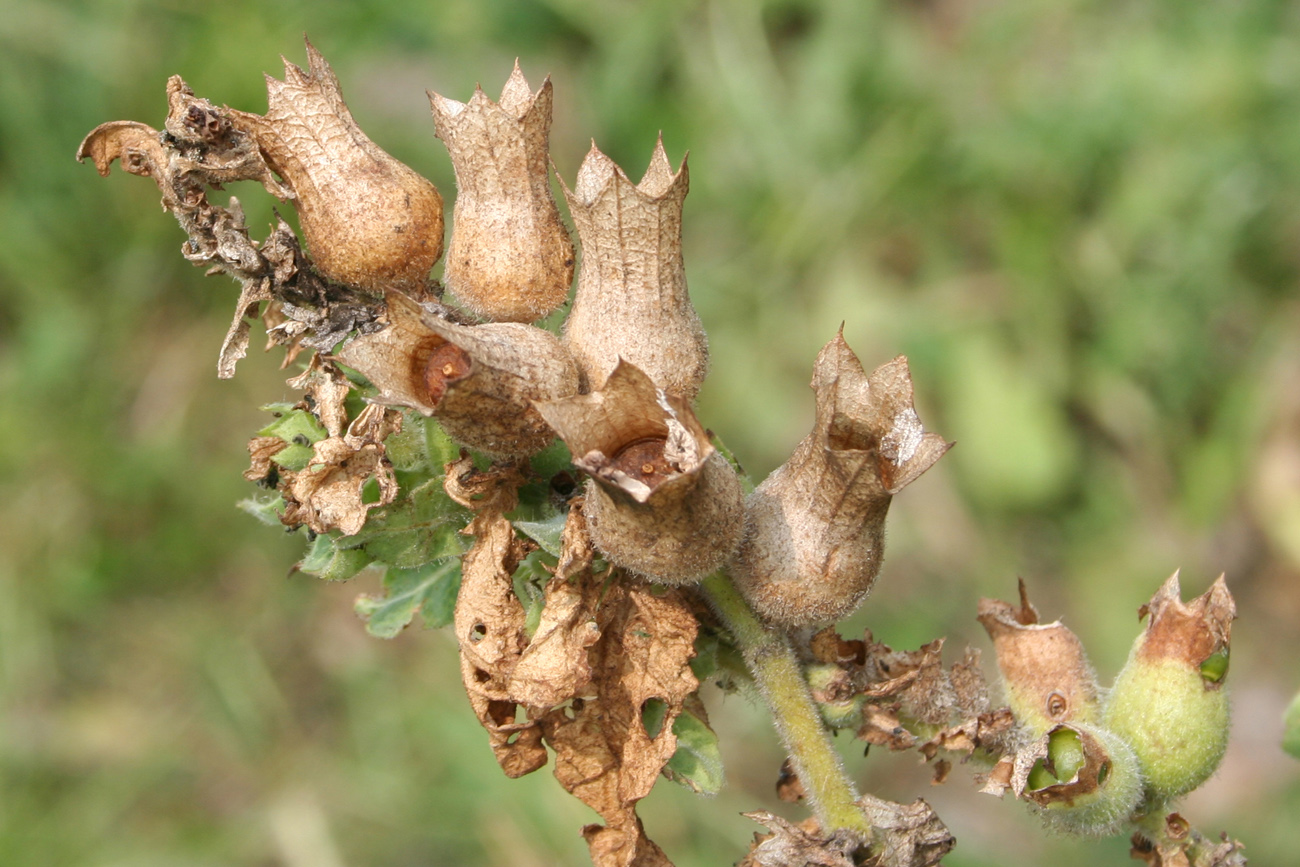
(661, 501)
(631, 301)
(814, 529)
(510, 257)
(478, 380)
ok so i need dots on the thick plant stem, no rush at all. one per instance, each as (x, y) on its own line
(772, 661)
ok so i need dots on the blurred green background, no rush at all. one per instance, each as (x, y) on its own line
(1079, 220)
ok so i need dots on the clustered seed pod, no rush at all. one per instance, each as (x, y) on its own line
(1045, 670)
(368, 220)
(478, 380)
(1083, 779)
(814, 529)
(631, 302)
(510, 257)
(1169, 700)
(661, 501)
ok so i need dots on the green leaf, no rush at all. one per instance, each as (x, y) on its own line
(420, 528)
(1291, 734)
(697, 763)
(267, 511)
(406, 449)
(292, 424)
(328, 561)
(430, 591)
(529, 578)
(551, 460)
(545, 533)
(438, 446)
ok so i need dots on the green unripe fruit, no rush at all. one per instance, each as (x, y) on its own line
(1169, 702)
(1084, 780)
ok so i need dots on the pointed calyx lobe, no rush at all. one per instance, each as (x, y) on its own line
(814, 529)
(478, 380)
(510, 257)
(369, 220)
(661, 501)
(631, 301)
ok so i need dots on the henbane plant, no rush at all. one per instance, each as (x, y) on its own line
(617, 555)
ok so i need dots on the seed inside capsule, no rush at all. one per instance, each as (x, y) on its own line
(644, 461)
(447, 364)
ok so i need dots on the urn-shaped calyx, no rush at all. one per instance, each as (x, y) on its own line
(478, 380)
(661, 501)
(1045, 670)
(814, 529)
(510, 257)
(631, 301)
(1170, 700)
(368, 220)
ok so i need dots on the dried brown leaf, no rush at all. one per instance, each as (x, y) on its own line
(326, 388)
(603, 754)
(802, 845)
(327, 494)
(908, 835)
(1181, 845)
(260, 452)
(489, 624)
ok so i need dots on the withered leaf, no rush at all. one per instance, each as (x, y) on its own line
(489, 624)
(803, 845)
(326, 388)
(1183, 846)
(906, 835)
(603, 754)
(555, 667)
(327, 494)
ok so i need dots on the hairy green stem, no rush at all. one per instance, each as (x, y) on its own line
(772, 661)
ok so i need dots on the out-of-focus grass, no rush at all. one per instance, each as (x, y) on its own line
(1078, 220)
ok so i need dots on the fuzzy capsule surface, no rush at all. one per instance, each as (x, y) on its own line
(631, 302)
(1169, 700)
(1082, 779)
(479, 381)
(510, 258)
(1045, 670)
(814, 529)
(660, 500)
(368, 219)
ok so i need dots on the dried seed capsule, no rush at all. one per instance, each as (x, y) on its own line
(1045, 670)
(631, 301)
(478, 380)
(368, 220)
(814, 529)
(510, 257)
(1169, 700)
(661, 501)
(1083, 779)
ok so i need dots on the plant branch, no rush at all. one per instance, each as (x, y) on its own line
(772, 661)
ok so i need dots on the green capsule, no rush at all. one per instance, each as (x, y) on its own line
(1084, 780)
(1169, 700)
